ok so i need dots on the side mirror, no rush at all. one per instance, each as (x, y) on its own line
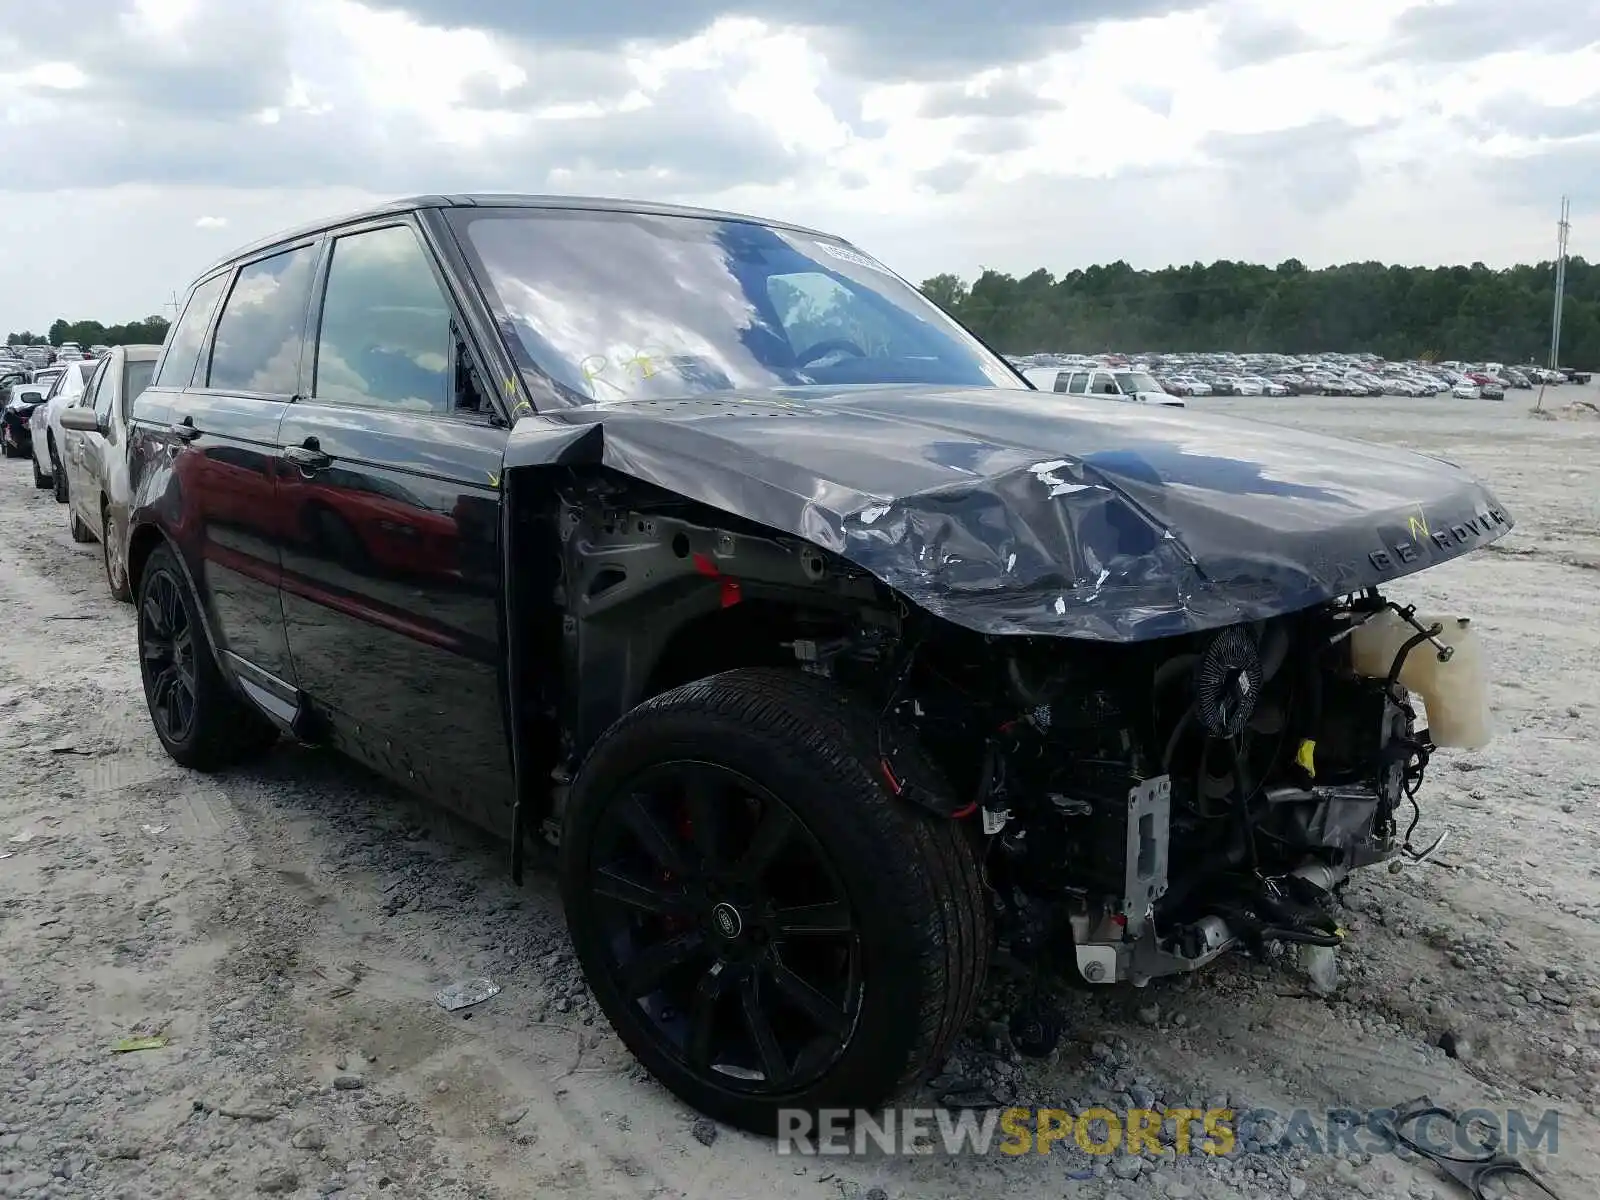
(84, 420)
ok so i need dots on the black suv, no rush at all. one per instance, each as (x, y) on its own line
(828, 654)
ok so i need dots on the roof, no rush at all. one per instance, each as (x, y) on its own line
(140, 353)
(502, 200)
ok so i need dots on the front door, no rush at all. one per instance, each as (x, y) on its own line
(389, 500)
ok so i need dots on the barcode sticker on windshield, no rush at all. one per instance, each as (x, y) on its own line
(848, 255)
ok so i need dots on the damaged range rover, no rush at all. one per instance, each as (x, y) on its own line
(829, 659)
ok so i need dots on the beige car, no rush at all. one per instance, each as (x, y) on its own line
(95, 457)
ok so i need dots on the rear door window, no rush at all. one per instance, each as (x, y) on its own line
(183, 343)
(1078, 383)
(257, 343)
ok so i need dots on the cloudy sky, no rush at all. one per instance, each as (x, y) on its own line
(144, 138)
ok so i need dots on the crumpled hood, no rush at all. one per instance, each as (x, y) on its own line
(1027, 512)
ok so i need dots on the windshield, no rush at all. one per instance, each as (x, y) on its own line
(1136, 381)
(615, 306)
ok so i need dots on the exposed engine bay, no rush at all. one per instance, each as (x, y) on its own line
(1153, 805)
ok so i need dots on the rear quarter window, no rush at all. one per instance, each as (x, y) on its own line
(183, 342)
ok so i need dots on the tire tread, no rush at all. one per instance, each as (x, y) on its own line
(943, 908)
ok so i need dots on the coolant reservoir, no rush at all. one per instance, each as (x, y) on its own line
(1455, 693)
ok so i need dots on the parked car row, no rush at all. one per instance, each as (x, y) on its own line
(33, 357)
(29, 375)
(827, 657)
(1323, 375)
(74, 428)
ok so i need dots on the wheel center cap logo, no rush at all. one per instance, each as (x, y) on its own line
(727, 919)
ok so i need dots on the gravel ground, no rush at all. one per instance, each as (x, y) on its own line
(286, 927)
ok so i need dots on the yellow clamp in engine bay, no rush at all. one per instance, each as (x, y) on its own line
(1306, 757)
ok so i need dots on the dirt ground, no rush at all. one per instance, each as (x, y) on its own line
(286, 928)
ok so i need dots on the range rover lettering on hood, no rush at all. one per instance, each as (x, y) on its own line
(1017, 512)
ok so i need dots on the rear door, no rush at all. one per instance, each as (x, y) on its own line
(224, 429)
(389, 489)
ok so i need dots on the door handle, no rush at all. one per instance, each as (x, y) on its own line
(184, 430)
(308, 456)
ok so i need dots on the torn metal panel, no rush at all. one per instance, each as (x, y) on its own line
(1030, 513)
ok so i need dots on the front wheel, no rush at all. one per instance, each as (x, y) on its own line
(40, 479)
(58, 479)
(80, 531)
(200, 721)
(765, 925)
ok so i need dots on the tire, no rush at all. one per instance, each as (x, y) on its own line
(216, 727)
(58, 479)
(903, 882)
(80, 531)
(40, 479)
(116, 576)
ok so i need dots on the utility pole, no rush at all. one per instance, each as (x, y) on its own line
(1563, 229)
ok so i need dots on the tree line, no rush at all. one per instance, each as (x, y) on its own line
(1471, 314)
(151, 331)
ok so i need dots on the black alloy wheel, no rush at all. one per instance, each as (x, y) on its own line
(167, 655)
(765, 922)
(201, 721)
(728, 926)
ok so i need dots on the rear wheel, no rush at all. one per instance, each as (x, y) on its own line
(116, 567)
(58, 478)
(200, 721)
(80, 531)
(764, 924)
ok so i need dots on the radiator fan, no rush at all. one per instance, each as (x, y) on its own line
(1227, 683)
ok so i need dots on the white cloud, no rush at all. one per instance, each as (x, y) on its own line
(1239, 128)
(54, 76)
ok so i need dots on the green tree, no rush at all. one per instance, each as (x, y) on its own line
(1463, 312)
(152, 330)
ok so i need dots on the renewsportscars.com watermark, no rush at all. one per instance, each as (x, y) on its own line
(1186, 1131)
